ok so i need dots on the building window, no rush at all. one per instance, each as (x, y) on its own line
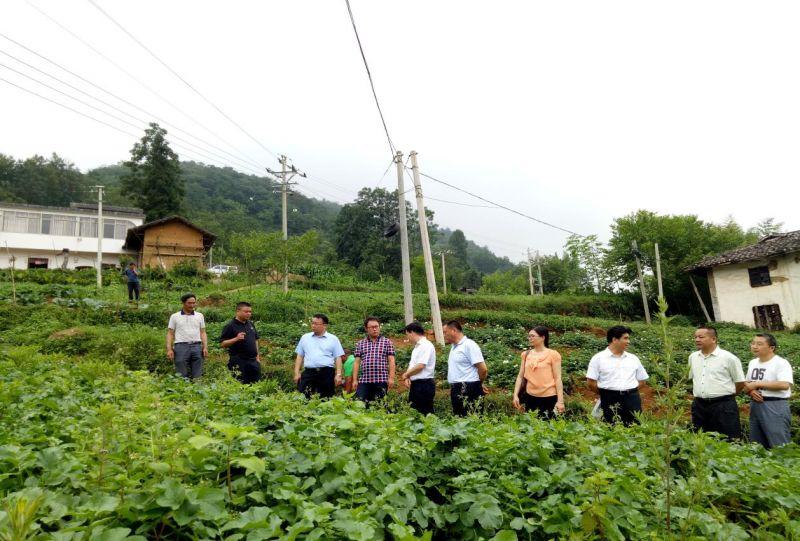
(108, 229)
(37, 262)
(88, 228)
(759, 276)
(21, 222)
(64, 226)
(768, 317)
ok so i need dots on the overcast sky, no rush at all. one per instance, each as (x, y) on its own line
(573, 112)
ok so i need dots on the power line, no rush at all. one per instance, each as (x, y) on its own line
(498, 205)
(383, 176)
(123, 100)
(184, 81)
(427, 197)
(369, 75)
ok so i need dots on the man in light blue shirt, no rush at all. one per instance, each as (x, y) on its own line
(320, 355)
(466, 370)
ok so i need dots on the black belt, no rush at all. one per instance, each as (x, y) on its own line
(188, 343)
(635, 390)
(423, 380)
(317, 369)
(715, 399)
(773, 398)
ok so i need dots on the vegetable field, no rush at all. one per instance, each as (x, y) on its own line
(98, 441)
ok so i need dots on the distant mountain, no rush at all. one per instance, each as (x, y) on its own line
(479, 257)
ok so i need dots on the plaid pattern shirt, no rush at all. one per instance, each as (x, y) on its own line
(374, 355)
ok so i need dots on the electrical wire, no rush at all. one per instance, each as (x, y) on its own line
(369, 76)
(184, 81)
(123, 100)
(428, 197)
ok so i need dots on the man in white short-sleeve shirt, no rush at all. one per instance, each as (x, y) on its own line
(616, 376)
(419, 376)
(768, 382)
(187, 342)
(466, 370)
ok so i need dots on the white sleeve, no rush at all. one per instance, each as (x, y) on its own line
(202, 321)
(171, 324)
(784, 372)
(641, 373)
(593, 372)
(475, 354)
(736, 368)
(430, 358)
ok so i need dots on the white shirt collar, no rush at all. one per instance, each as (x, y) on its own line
(612, 354)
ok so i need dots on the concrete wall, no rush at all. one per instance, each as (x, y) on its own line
(82, 251)
(734, 298)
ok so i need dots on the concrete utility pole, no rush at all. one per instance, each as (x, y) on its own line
(658, 273)
(444, 271)
(433, 295)
(641, 281)
(405, 263)
(100, 236)
(539, 273)
(530, 272)
(285, 176)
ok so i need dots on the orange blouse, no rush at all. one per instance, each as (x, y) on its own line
(539, 372)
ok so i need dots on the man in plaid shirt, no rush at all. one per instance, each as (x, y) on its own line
(373, 370)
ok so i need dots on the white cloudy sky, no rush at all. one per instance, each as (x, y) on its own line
(576, 112)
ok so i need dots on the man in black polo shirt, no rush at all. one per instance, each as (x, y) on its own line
(241, 339)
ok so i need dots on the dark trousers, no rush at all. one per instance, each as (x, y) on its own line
(317, 381)
(245, 370)
(420, 395)
(133, 289)
(719, 414)
(543, 406)
(189, 359)
(465, 396)
(620, 405)
(368, 392)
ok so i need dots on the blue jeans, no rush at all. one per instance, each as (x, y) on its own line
(189, 359)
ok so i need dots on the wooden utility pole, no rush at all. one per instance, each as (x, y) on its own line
(405, 263)
(699, 298)
(530, 273)
(658, 274)
(641, 281)
(539, 274)
(433, 295)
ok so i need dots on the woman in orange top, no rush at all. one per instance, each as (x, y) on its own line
(540, 370)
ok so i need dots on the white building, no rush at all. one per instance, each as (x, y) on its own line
(758, 285)
(34, 236)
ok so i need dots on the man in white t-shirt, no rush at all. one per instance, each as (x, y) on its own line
(187, 342)
(768, 382)
(466, 370)
(419, 376)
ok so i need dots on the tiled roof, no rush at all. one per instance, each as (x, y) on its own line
(770, 246)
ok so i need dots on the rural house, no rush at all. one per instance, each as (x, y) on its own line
(35, 236)
(757, 285)
(165, 242)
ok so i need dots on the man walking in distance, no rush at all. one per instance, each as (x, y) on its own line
(240, 338)
(466, 370)
(134, 284)
(717, 378)
(187, 342)
(319, 354)
(616, 376)
(769, 383)
(418, 379)
(374, 367)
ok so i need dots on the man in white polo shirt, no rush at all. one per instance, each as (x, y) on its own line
(466, 370)
(769, 383)
(616, 376)
(187, 342)
(717, 378)
(419, 376)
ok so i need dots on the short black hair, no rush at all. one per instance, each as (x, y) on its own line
(414, 327)
(186, 296)
(243, 304)
(770, 338)
(322, 317)
(371, 318)
(542, 331)
(617, 331)
(131, 264)
(708, 328)
(454, 324)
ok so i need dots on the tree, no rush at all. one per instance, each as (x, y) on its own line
(267, 252)
(458, 246)
(154, 180)
(41, 181)
(589, 253)
(766, 227)
(682, 241)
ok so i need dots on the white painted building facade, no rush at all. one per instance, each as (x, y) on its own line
(758, 285)
(33, 236)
